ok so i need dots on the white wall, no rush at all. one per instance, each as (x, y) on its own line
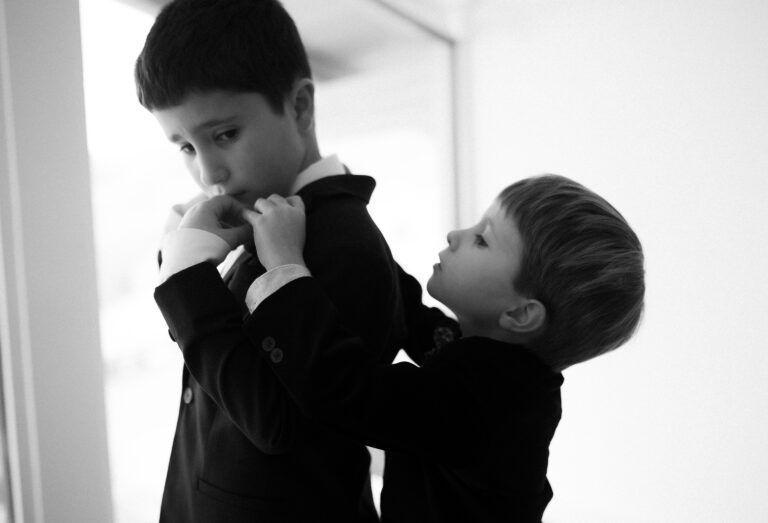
(662, 107)
(49, 337)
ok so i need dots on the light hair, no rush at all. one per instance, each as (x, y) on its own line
(582, 261)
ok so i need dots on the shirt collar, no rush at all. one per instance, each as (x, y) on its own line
(328, 166)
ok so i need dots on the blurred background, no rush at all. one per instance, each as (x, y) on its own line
(659, 106)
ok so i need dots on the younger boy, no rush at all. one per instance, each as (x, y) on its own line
(551, 276)
(230, 84)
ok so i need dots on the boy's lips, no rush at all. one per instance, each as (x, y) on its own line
(218, 190)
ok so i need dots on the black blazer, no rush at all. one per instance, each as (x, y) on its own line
(467, 434)
(242, 450)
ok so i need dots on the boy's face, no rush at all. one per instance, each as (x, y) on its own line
(475, 274)
(235, 144)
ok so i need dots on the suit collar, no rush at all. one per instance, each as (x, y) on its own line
(358, 186)
(328, 166)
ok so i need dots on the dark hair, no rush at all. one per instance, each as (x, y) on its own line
(582, 261)
(231, 45)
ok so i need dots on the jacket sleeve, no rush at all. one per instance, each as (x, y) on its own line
(207, 323)
(350, 260)
(334, 378)
(428, 327)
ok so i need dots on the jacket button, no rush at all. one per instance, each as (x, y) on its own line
(268, 343)
(276, 356)
(187, 396)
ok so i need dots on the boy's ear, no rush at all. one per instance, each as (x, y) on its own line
(302, 103)
(526, 318)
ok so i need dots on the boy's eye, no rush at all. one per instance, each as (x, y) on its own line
(186, 148)
(226, 136)
(480, 241)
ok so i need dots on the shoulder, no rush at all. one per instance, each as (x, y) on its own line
(338, 222)
(502, 375)
(348, 254)
(341, 187)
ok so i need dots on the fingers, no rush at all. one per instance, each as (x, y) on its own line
(263, 205)
(226, 209)
(296, 201)
(200, 197)
(273, 208)
(219, 206)
(236, 235)
(250, 216)
(278, 230)
(226, 204)
(181, 208)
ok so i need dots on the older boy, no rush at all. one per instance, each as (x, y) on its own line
(551, 276)
(230, 85)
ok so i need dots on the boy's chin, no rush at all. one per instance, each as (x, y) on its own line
(431, 284)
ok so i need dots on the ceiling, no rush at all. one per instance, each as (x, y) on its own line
(344, 37)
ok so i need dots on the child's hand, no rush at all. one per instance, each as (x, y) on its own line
(182, 208)
(220, 215)
(278, 230)
(178, 211)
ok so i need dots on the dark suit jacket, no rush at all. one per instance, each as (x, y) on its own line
(242, 450)
(467, 434)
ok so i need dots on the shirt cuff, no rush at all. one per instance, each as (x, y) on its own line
(271, 281)
(186, 247)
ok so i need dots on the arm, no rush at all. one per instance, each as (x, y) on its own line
(428, 327)
(206, 321)
(335, 379)
(332, 375)
(347, 255)
(174, 217)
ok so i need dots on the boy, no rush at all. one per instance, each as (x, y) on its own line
(551, 276)
(230, 84)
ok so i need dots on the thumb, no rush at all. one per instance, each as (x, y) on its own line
(235, 236)
(250, 216)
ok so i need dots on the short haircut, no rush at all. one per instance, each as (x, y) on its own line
(230, 45)
(582, 261)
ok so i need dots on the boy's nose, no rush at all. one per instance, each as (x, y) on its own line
(453, 240)
(212, 172)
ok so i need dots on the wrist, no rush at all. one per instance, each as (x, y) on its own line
(184, 248)
(280, 261)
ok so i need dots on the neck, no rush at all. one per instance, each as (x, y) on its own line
(473, 328)
(492, 331)
(311, 152)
